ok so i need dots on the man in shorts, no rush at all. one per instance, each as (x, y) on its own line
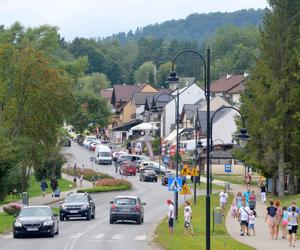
(223, 197)
(171, 216)
(243, 218)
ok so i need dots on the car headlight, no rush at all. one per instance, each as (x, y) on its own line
(84, 207)
(63, 206)
(18, 224)
(48, 223)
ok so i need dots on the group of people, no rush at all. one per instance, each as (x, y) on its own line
(187, 215)
(53, 185)
(75, 173)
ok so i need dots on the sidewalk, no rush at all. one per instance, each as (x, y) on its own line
(48, 199)
(262, 239)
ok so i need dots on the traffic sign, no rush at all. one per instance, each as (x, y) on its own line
(174, 184)
(194, 172)
(185, 190)
(227, 168)
(185, 170)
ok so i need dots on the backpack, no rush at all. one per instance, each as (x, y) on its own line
(272, 211)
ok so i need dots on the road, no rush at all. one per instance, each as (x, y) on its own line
(98, 233)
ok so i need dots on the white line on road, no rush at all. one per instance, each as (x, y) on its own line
(140, 237)
(118, 237)
(99, 236)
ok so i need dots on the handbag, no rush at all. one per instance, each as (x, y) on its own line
(289, 227)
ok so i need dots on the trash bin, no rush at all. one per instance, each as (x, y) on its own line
(25, 198)
(218, 215)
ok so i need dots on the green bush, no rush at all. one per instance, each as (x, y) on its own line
(89, 174)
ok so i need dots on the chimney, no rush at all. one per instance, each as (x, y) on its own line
(228, 76)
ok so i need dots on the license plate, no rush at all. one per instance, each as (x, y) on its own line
(73, 211)
(125, 210)
(32, 229)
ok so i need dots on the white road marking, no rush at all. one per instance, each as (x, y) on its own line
(140, 237)
(118, 237)
(98, 236)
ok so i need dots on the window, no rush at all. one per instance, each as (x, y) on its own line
(125, 201)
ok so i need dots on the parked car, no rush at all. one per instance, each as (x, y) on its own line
(164, 179)
(127, 168)
(126, 208)
(65, 142)
(88, 140)
(148, 175)
(103, 154)
(33, 220)
(159, 169)
(117, 154)
(77, 205)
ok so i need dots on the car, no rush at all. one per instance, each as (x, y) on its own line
(36, 220)
(117, 154)
(103, 154)
(159, 169)
(65, 142)
(77, 205)
(88, 140)
(127, 168)
(164, 179)
(126, 208)
(148, 175)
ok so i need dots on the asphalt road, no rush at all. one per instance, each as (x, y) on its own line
(98, 233)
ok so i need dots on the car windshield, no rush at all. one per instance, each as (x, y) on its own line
(76, 199)
(105, 154)
(125, 201)
(35, 212)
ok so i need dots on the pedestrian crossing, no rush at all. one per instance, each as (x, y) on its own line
(117, 238)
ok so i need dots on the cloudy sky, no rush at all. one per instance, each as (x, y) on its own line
(100, 18)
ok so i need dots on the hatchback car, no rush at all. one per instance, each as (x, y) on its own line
(33, 220)
(127, 168)
(148, 175)
(126, 208)
(164, 179)
(77, 205)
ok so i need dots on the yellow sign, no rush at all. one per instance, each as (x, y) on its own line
(185, 189)
(185, 170)
(194, 172)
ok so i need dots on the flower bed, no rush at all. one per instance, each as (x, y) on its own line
(113, 182)
(108, 185)
(12, 208)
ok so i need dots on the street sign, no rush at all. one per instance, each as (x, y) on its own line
(227, 168)
(194, 172)
(166, 160)
(174, 184)
(185, 170)
(185, 190)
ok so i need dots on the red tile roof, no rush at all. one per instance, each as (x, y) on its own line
(123, 93)
(106, 93)
(225, 85)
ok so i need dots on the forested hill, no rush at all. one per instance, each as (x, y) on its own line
(195, 27)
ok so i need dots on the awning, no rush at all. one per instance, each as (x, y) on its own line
(127, 126)
(173, 135)
(144, 126)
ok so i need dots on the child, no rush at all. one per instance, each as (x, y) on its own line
(233, 210)
(284, 222)
(251, 222)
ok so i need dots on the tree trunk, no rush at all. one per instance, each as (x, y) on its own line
(281, 167)
(291, 181)
(274, 177)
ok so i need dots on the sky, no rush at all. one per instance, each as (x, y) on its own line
(102, 18)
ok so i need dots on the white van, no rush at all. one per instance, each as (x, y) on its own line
(103, 154)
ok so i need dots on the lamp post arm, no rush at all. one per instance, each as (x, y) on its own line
(228, 107)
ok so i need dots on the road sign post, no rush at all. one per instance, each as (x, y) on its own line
(227, 170)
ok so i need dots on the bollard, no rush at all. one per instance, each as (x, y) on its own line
(25, 199)
(217, 216)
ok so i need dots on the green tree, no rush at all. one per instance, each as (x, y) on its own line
(163, 74)
(146, 73)
(93, 83)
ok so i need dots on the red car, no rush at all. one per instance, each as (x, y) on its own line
(128, 168)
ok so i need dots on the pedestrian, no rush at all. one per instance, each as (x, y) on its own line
(284, 222)
(171, 216)
(75, 168)
(75, 181)
(247, 195)
(81, 179)
(248, 180)
(187, 219)
(238, 200)
(294, 205)
(44, 187)
(53, 185)
(82, 169)
(234, 210)
(270, 218)
(252, 200)
(277, 219)
(293, 221)
(263, 192)
(243, 218)
(251, 226)
(223, 197)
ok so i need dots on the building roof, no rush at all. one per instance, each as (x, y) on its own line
(106, 93)
(123, 93)
(237, 89)
(215, 103)
(190, 109)
(139, 98)
(226, 83)
(164, 90)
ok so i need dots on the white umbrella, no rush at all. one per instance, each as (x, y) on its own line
(144, 126)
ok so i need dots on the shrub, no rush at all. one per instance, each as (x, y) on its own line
(113, 183)
(12, 208)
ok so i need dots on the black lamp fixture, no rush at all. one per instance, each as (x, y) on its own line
(242, 138)
(173, 77)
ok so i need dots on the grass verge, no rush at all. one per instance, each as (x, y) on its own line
(6, 222)
(220, 239)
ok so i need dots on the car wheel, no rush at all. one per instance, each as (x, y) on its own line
(57, 230)
(88, 217)
(143, 219)
(134, 174)
(15, 236)
(139, 220)
(93, 215)
(52, 233)
(111, 221)
(61, 218)
(155, 180)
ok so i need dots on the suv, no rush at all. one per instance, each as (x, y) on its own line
(77, 205)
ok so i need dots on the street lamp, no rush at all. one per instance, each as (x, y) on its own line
(207, 92)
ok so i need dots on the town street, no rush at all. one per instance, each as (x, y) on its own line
(98, 233)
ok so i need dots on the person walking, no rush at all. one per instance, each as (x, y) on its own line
(263, 192)
(171, 216)
(243, 218)
(53, 185)
(293, 221)
(223, 197)
(44, 187)
(247, 195)
(75, 169)
(285, 222)
(270, 218)
(238, 200)
(251, 225)
(75, 180)
(278, 218)
(248, 180)
(294, 205)
(81, 179)
(187, 218)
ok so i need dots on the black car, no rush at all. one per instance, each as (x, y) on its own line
(33, 220)
(77, 205)
(148, 175)
(164, 179)
(126, 208)
(65, 142)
